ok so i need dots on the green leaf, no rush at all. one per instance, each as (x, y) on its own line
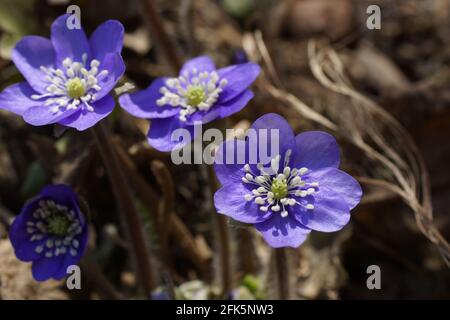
(34, 180)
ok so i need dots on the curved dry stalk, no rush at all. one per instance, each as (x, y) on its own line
(177, 228)
(165, 180)
(127, 209)
(368, 130)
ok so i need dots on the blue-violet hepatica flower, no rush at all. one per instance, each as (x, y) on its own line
(200, 94)
(51, 232)
(68, 78)
(300, 189)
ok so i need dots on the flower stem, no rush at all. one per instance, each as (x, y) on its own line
(223, 238)
(282, 271)
(126, 207)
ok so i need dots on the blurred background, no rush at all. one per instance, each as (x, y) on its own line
(384, 93)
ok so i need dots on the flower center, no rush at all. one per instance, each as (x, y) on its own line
(74, 84)
(195, 95)
(75, 88)
(279, 187)
(58, 225)
(192, 92)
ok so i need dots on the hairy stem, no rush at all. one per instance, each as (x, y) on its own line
(223, 237)
(282, 271)
(126, 207)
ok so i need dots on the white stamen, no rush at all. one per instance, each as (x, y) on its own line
(49, 243)
(275, 163)
(176, 92)
(262, 194)
(57, 97)
(303, 171)
(259, 200)
(260, 179)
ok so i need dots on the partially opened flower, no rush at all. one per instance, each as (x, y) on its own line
(200, 94)
(51, 232)
(68, 78)
(300, 189)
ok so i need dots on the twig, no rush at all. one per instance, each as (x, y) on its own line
(164, 179)
(154, 20)
(95, 275)
(177, 228)
(126, 207)
(186, 15)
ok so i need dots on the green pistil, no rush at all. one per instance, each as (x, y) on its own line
(279, 188)
(58, 225)
(75, 88)
(195, 95)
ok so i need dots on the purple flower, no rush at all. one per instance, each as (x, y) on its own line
(68, 78)
(51, 232)
(300, 189)
(200, 94)
(239, 56)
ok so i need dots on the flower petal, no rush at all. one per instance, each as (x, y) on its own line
(202, 63)
(162, 130)
(17, 98)
(275, 134)
(42, 115)
(316, 150)
(24, 249)
(115, 66)
(283, 232)
(29, 55)
(239, 77)
(69, 43)
(84, 119)
(235, 105)
(330, 213)
(107, 39)
(229, 161)
(340, 182)
(60, 193)
(45, 268)
(142, 104)
(229, 200)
